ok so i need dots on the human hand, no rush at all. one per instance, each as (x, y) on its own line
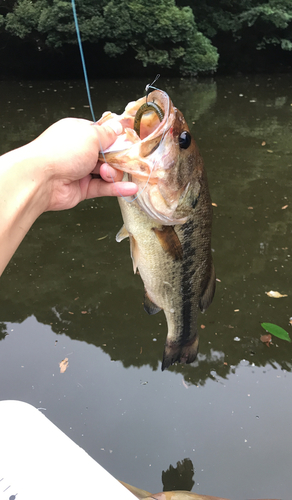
(68, 152)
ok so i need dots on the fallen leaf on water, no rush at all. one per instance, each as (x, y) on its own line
(64, 365)
(275, 295)
(270, 151)
(102, 238)
(236, 310)
(217, 279)
(83, 312)
(263, 143)
(285, 206)
(266, 339)
(70, 312)
(250, 208)
(203, 326)
(214, 205)
(277, 331)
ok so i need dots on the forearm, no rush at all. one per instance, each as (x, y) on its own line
(53, 172)
(22, 199)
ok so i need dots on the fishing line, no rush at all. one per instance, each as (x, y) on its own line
(82, 58)
(147, 89)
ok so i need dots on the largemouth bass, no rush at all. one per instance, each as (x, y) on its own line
(169, 221)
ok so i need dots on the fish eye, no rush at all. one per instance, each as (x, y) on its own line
(184, 140)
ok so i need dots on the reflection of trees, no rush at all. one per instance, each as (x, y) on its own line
(193, 98)
(3, 331)
(83, 286)
(179, 477)
(30, 107)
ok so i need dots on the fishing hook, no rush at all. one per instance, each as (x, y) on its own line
(150, 86)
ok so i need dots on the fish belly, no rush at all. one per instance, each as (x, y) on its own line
(170, 284)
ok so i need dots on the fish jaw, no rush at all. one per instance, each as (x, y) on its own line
(154, 161)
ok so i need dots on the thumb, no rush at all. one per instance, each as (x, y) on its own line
(108, 132)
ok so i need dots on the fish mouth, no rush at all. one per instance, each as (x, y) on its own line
(146, 153)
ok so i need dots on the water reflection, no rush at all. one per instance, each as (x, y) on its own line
(71, 274)
(179, 477)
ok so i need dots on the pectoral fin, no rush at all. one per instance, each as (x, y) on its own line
(209, 291)
(169, 241)
(122, 234)
(149, 306)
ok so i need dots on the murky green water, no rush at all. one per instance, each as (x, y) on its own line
(70, 292)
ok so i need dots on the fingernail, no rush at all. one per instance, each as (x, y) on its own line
(115, 126)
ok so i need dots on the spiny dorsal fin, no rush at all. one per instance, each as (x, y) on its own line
(149, 305)
(169, 241)
(209, 291)
(122, 234)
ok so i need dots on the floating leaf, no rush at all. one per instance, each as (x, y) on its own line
(214, 205)
(277, 331)
(284, 207)
(64, 365)
(275, 295)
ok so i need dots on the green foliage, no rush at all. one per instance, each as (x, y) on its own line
(180, 34)
(277, 331)
(157, 31)
(258, 23)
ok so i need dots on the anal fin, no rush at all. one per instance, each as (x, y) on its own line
(149, 305)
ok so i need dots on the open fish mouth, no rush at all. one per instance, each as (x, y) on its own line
(146, 152)
(142, 120)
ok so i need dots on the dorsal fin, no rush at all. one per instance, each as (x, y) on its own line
(209, 291)
(169, 241)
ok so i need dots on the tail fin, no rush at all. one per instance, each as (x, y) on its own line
(173, 351)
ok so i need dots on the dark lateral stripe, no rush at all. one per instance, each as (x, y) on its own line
(188, 270)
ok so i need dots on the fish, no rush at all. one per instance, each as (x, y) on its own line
(167, 495)
(169, 220)
(170, 495)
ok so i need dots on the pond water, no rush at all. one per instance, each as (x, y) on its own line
(221, 426)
